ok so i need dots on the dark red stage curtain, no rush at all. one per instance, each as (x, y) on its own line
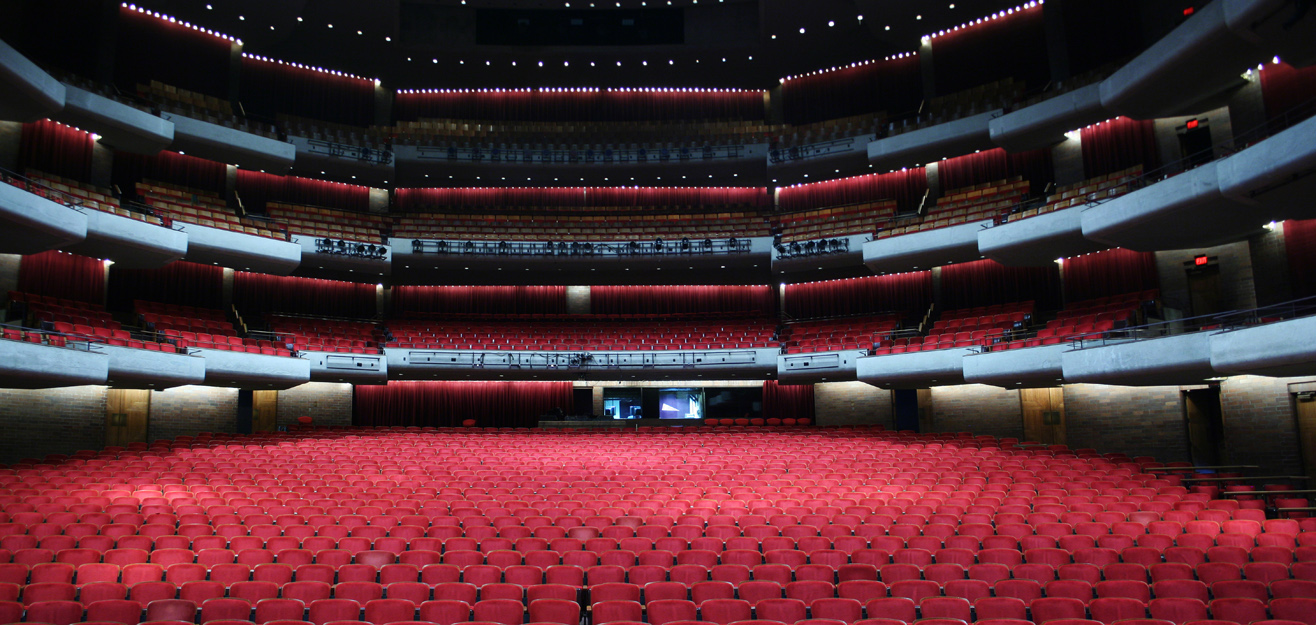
(60, 274)
(1011, 46)
(665, 300)
(906, 187)
(1118, 144)
(787, 401)
(993, 165)
(442, 404)
(585, 105)
(902, 292)
(272, 87)
(257, 189)
(893, 85)
(1111, 272)
(179, 282)
(485, 300)
(677, 196)
(987, 282)
(150, 48)
(1285, 88)
(1300, 245)
(263, 293)
(171, 167)
(57, 149)
(431, 199)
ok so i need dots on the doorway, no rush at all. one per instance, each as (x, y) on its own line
(1195, 144)
(1044, 414)
(127, 416)
(1204, 289)
(264, 411)
(1206, 428)
(1305, 411)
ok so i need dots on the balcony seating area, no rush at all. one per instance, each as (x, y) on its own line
(835, 222)
(966, 205)
(1002, 94)
(329, 223)
(374, 137)
(74, 320)
(838, 334)
(657, 525)
(594, 228)
(207, 108)
(1090, 318)
(529, 135)
(1091, 190)
(73, 193)
(583, 333)
(202, 328)
(830, 130)
(203, 208)
(327, 335)
(968, 327)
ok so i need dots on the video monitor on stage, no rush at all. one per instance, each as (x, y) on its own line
(623, 403)
(681, 403)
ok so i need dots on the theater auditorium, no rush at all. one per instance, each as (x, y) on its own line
(732, 312)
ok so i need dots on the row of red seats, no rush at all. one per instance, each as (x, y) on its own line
(837, 334)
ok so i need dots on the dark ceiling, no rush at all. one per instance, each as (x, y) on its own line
(432, 44)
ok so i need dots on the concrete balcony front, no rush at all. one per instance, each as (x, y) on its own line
(29, 92)
(717, 261)
(32, 224)
(844, 258)
(318, 157)
(335, 258)
(354, 368)
(822, 160)
(713, 364)
(239, 250)
(1280, 349)
(130, 242)
(1036, 241)
(1030, 367)
(1044, 124)
(838, 366)
(32, 365)
(120, 126)
(253, 371)
(1169, 360)
(1219, 202)
(1189, 70)
(927, 145)
(229, 145)
(145, 369)
(940, 367)
(925, 249)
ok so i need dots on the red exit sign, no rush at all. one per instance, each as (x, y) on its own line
(1200, 260)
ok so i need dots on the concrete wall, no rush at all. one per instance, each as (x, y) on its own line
(1236, 277)
(977, 408)
(852, 403)
(11, 136)
(1137, 421)
(52, 421)
(1260, 427)
(187, 410)
(329, 403)
(1270, 267)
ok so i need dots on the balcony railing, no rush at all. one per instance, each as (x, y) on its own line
(607, 156)
(656, 247)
